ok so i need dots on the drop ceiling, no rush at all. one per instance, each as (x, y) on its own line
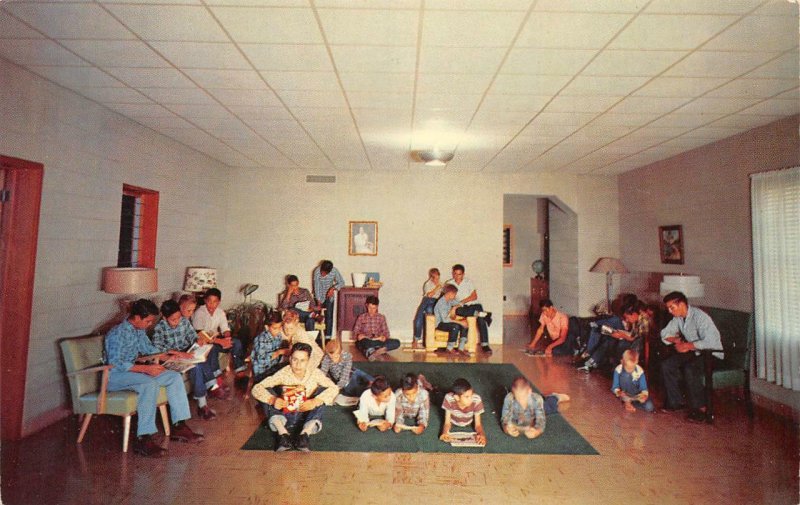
(565, 86)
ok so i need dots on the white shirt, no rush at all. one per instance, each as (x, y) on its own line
(464, 290)
(369, 407)
(203, 321)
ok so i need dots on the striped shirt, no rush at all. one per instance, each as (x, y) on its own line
(339, 372)
(462, 416)
(323, 284)
(180, 338)
(418, 409)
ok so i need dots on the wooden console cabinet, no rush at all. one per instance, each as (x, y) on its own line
(352, 303)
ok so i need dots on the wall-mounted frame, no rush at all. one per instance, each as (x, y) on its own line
(363, 238)
(508, 246)
(670, 243)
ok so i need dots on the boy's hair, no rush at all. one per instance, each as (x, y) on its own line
(214, 292)
(434, 271)
(379, 385)
(143, 308)
(169, 307)
(460, 386)
(410, 381)
(459, 267)
(373, 300)
(676, 296)
(333, 346)
(326, 266)
(546, 303)
(631, 309)
(187, 299)
(519, 382)
(290, 315)
(274, 318)
(449, 288)
(291, 278)
(631, 355)
(301, 346)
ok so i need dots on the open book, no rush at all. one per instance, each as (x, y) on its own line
(608, 330)
(208, 335)
(464, 439)
(199, 355)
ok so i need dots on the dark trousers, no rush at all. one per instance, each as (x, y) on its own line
(305, 318)
(454, 331)
(367, 345)
(328, 306)
(690, 367)
(425, 307)
(236, 351)
(483, 328)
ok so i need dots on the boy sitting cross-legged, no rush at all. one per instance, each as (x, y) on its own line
(462, 407)
(630, 384)
(338, 365)
(412, 405)
(376, 406)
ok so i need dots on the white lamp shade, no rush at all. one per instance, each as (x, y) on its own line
(689, 285)
(199, 279)
(609, 265)
(130, 281)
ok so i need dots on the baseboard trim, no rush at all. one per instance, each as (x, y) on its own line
(44, 420)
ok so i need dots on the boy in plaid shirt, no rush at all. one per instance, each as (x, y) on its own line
(372, 332)
(412, 406)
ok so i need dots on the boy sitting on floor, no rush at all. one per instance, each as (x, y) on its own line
(376, 407)
(372, 332)
(525, 411)
(267, 355)
(338, 365)
(462, 407)
(630, 384)
(412, 405)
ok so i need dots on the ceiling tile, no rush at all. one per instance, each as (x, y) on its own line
(603, 86)
(332, 115)
(202, 55)
(457, 60)
(464, 84)
(38, 52)
(116, 53)
(200, 111)
(547, 61)
(171, 121)
(447, 101)
(310, 81)
(440, 118)
(634, 120)
(527, 103)
(629, 62)
(178, 95)
(170, 22)
(470, 28)
(659, 31)
(72, 77)
(374, 59)
(777, 8)
(370, 27)
(589, 6)
(294, 98)
(482, 5)
(249, 112)
(227, 79)
(679, 86)
(269, 25)
(70, 21)
(310, 58)
(767, 33)
(744, 121)
(136, 110)
(718, 64)
(581, 103)
(11, 28)
(151, 77)
(700, 7)
(382, 117)
(644, 105)
(759, 88)
(710, 105)
(366, 4)
(774, 108)
(529, 84)
(570, 30)
(390, 82)
(786, 66)
(375, 99)
(112, 95)
(684, 120)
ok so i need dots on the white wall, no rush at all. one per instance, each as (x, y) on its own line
(563, 280)
(521, 212)
(88, 152)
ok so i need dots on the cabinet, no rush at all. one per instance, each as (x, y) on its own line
(351, 304)
(540, 290)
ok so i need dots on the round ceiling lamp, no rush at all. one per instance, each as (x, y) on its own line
(434, 157)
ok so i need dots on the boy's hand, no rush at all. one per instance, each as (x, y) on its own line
(279, 403)
(363, 426)
(152, 370)
(418, 429)
(444, 437)
(533, 433)
(480, 438)
(309, 405)
(226, 343)
(397, 428)
(642, 397)
(385, 425)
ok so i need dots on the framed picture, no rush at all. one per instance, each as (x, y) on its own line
(363, 238)
(670, 241)
(508, 244)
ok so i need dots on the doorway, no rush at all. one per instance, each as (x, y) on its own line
(19, 231)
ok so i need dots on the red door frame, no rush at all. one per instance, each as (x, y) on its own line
(20, 233)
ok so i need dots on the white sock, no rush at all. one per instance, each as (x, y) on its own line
(280, 426)
(215, 386)
(201, 402)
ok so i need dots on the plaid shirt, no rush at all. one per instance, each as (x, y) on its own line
(419, 409)
(124, 344)
(642, 327)
(371, 325)
(179, 338)
(264, 345)
(532, 415)
(323, 284)
(339, 372)
(303, 295)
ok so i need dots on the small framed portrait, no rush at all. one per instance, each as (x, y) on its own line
(363, 238)
(670, 241)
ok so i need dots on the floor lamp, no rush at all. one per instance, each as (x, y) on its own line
(609, 266)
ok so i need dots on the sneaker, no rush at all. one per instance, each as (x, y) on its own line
(376, 353)
(284, 443)
(442, 350)
(182, 433)
(696, 416)
(218, 393)
(302, 443)
(346, 401)
(146, 446)
(464, 353)
(586, 367)
(668, 409)
(486, 349)
(205, 413)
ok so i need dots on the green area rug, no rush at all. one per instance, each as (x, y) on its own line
(340, 433)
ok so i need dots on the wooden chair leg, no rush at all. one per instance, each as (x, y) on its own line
(709, 386)
(126, 432)
(748, 400)
(164, 418)
(84, 426)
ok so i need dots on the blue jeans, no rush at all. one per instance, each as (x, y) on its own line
(305, 318)
(328, 306)
(359, 382)
(201, 377)
(483, 328)
(455, 332)
(425, 307)
(236, 351)
(293, 420)
(631, 388)
(147, 388)
(367, 345)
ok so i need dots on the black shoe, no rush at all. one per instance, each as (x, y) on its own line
(302, 443)
(486, 349)
(696, 416)
(284, 443)
(146, 446)
(670, 408)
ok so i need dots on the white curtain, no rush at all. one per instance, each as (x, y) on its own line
(775, 206)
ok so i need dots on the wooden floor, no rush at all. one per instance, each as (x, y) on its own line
(657, 459)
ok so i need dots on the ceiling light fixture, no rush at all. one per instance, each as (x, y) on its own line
(434, 157)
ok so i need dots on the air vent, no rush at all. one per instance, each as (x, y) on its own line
(323, 179)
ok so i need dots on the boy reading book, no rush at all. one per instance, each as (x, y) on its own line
(525, 411)
(412, 406)
(338, 365)
(462, 408)
(376, 407)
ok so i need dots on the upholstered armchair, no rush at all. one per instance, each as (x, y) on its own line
(435, 339)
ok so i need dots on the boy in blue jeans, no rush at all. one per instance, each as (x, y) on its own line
(456, 328)
(338, 365)
(431, 291)
(630, 385)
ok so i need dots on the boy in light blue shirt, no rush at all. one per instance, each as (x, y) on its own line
(630, 384)
(456, 329)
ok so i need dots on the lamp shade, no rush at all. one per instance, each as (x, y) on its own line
(609, 265)
(130, 281)
(689, 285)
(199, 279)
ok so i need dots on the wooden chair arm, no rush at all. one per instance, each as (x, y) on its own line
(93, 369)
(101, 399)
